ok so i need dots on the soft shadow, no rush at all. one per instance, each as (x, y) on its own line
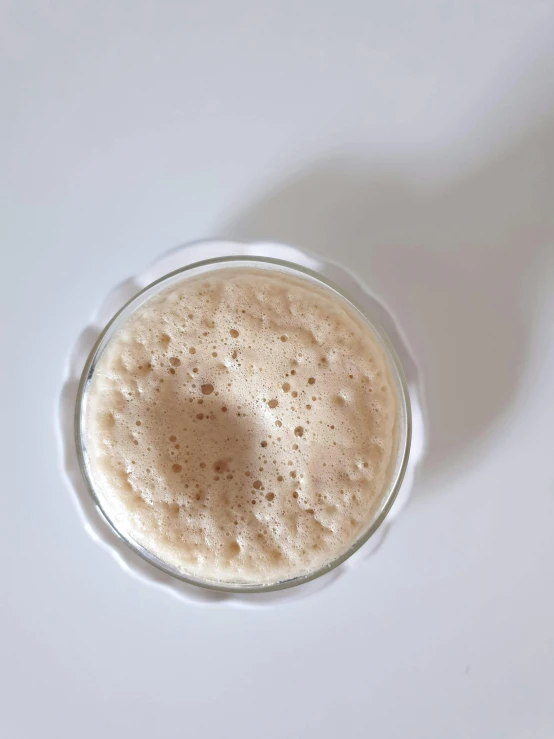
(457, 265)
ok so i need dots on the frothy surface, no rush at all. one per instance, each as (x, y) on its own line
(242, 425)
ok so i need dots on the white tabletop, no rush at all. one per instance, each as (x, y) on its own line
(414, 142)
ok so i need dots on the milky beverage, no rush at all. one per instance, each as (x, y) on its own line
(242, 426)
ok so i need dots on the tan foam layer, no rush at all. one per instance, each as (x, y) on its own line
(242, 426)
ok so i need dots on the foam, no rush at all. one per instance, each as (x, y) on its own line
(242, 426)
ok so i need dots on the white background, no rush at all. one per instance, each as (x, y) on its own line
(414, 142)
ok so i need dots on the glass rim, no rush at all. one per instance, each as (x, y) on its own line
(139, 299)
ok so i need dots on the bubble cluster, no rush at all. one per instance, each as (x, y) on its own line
(242, 426)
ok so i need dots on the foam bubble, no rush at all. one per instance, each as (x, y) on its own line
(183, 412)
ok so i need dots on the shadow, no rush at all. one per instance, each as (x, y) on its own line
(458, 265)
(207, 450)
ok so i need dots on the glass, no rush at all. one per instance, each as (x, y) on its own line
(264, 263)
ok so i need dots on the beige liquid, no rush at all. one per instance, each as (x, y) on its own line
(242, 426)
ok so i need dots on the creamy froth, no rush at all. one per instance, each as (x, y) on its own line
(242, 426)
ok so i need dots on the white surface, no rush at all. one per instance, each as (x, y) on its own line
(415, 142)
